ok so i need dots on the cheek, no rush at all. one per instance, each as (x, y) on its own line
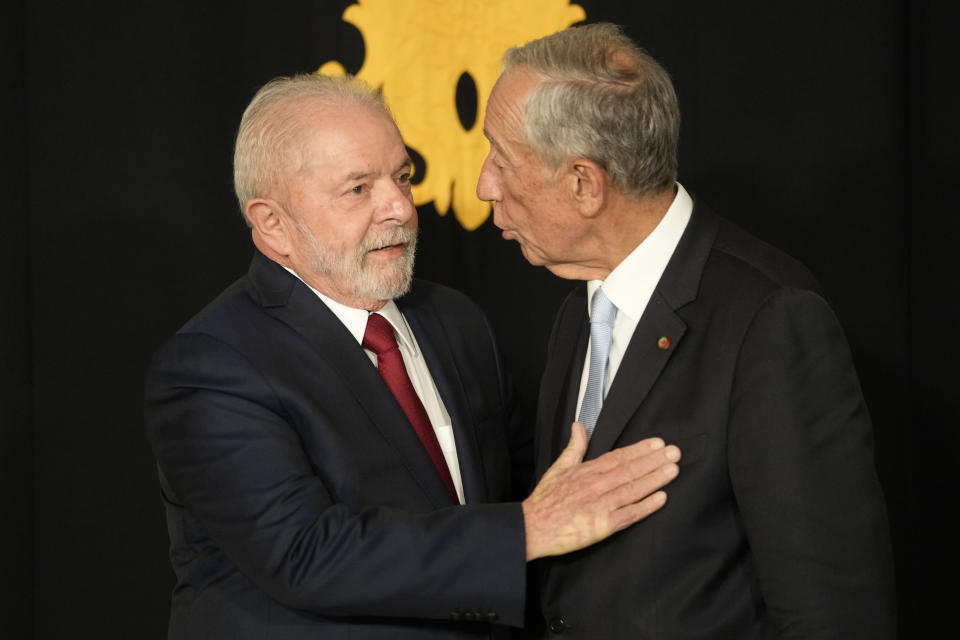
(351, 231)
(524, 197)
(514, 192)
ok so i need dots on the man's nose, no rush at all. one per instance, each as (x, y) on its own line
(397, 205)
(486, 184)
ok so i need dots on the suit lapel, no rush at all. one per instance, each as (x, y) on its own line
(561, 379)
(648, 353)
(442, 363)
(645, 358)
(290, 301)
(642, 363)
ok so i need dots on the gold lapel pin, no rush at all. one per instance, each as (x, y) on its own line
(664, 343)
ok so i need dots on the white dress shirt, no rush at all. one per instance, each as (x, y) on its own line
(630, 285)
(355, 320)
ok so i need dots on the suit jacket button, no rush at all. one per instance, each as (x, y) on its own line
(558, 624)
(469, 616)
(456, 615)
(492, 616)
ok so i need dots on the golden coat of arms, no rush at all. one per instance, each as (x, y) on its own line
(416, 53)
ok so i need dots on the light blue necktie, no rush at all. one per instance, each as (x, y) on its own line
(602, 316)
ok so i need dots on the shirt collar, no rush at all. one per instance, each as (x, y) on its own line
(632, 282)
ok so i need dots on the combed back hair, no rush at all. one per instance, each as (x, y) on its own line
(602, 98)
(270, 134)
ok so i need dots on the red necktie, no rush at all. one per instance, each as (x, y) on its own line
(379, 338)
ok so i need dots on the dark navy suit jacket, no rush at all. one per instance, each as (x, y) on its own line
(299, 501)
(776, 526)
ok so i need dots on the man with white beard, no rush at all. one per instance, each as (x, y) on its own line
(336, 441)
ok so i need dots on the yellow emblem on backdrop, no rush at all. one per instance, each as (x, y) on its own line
(416, 51)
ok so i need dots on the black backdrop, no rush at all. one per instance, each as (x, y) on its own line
(828, 128)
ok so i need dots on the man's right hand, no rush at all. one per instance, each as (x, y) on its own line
(579, 503)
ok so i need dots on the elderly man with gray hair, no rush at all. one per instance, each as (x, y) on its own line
(688, 328)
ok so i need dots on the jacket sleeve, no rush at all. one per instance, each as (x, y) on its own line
(801, 464)
(229, 456)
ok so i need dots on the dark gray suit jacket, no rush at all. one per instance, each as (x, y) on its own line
(300, 503)
(776, 526)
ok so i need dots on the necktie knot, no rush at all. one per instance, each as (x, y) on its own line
(602, 311)
(379, 336)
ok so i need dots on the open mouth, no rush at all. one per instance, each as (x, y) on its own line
(387, 247)
(391, 245)
(389, 250)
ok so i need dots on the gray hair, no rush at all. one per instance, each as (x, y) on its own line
(602, 98)
(269, 136)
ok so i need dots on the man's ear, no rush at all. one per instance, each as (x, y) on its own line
(271, 225)
(589, 183)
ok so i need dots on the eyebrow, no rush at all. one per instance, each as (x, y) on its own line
(357, 175)
(362, 175)
(493, 142)
(406, 164)
(495, 146)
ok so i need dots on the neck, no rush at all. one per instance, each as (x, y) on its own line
(616, 230)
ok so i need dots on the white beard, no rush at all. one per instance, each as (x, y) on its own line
(382, 283)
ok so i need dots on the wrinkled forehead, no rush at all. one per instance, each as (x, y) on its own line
(511, 92)
(313, 114)
(503, 121)
(330, 126)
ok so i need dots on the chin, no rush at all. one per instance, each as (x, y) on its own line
(389, 284)
(531, 257)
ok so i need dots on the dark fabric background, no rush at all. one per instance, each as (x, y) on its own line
(827, 128)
